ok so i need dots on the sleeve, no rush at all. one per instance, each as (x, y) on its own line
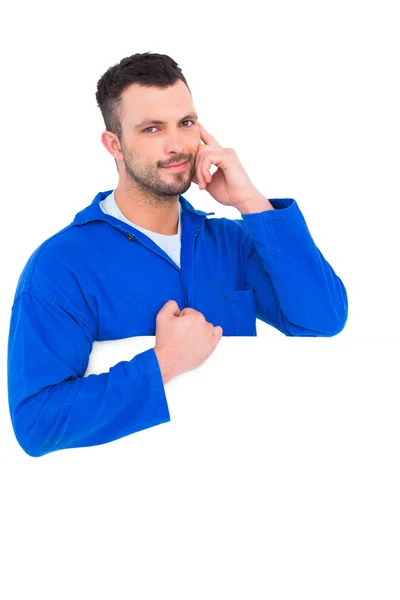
(296, 290)
(52, 406)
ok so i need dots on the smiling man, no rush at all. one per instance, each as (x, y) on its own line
(149, 186)
(141, 260)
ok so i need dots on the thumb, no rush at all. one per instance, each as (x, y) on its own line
(172, 308)
(186, 311)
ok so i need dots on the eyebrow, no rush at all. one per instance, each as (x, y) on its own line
(148, 121)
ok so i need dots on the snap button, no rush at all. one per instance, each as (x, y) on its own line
(130, 237)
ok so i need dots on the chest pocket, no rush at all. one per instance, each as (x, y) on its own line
(242, 306)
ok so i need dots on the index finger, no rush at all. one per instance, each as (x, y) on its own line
(206, 137)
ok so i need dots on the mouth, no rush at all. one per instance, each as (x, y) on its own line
(178, 167)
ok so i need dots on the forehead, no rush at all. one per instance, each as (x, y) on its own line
(141, 102)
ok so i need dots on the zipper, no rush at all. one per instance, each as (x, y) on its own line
(192, 274)
(165, 256)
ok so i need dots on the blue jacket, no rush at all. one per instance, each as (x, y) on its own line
(101, 279)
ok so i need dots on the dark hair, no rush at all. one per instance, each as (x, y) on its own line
(158, 70)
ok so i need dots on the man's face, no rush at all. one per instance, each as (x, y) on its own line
(149, 147)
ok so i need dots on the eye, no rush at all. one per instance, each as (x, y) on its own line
(153, 127)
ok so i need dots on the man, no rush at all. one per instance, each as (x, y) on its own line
(131, 260)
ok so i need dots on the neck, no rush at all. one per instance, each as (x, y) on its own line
(158, 215)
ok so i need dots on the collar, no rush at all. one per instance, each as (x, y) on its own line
(93, 212)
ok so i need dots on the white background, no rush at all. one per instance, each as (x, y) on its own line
(278, 474)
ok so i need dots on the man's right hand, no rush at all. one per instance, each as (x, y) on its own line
(184, 339)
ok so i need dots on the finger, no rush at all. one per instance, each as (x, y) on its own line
(204, 168)
(207, 164)
(199, 172)
(186, 311)
(200, 175)
(207, 137)
(171, 306)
